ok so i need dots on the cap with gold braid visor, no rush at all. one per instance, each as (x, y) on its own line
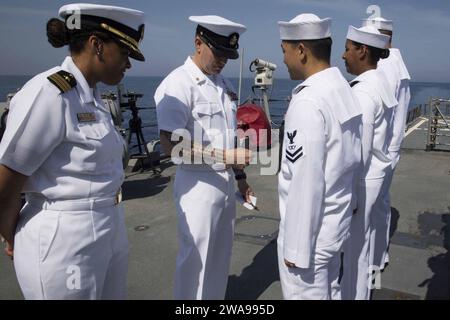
(125, 36)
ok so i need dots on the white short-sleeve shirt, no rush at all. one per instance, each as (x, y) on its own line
(203, 105)
(65, 155)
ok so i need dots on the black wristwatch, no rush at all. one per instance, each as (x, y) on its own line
(240, 176)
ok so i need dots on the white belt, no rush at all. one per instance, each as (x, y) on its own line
(73, 205)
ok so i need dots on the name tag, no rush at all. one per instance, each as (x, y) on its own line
(86, 117)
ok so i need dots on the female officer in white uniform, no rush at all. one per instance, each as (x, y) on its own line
(363, 50)
(61, 149)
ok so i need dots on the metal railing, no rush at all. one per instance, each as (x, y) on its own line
(414, 114)
(438, 123)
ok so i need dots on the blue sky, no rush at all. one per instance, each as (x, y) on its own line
(422, 32)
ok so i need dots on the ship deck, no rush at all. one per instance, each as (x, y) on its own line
(420, 232)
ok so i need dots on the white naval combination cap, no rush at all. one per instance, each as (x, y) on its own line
(380, 23)
(369, 36)
(124, 24)
(220, 34)
(306, 26)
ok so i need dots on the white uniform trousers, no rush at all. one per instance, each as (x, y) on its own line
(206, 210)
(357, 264)
(382, 222)
(76, 254)
(319, 281)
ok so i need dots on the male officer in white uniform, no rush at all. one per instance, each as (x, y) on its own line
(363, 49)
(321, 154)
(70, 240)
(398, 77)
(198, 99)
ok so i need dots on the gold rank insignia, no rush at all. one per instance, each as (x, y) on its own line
(234, 40)
(86, 117)
(63, 80)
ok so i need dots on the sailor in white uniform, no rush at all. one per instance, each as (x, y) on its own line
(62, 150)
(320, 157)
(363, 49)
(197, 103)
(398, 77)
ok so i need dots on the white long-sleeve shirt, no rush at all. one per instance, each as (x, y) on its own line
(398, 77)
(377, 103)
(321, 154)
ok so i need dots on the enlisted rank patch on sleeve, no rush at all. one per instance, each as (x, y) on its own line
(86, 117)
(293, 150)
(295, 154)
(63, 80)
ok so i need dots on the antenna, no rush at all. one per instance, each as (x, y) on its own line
(240, 77)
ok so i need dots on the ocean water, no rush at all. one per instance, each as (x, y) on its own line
(279, 93)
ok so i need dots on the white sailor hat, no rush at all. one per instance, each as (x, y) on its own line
(220, 34)
(380, 23)
(368, 35)
(306, 26)
(126, 25)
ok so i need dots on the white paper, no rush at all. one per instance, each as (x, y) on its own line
(240, 199)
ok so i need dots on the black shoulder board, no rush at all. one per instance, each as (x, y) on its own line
(352, 84)
(63, 80)
(299, 89)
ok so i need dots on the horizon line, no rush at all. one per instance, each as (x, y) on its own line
(252, 78)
